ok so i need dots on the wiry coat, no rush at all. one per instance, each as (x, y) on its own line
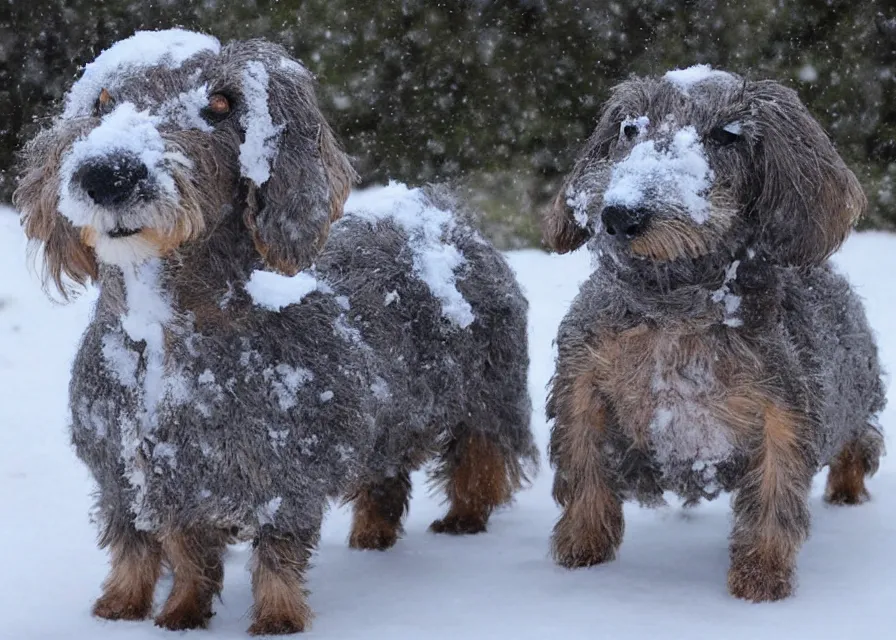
(301, 404)
(714, 347)
(208, 407)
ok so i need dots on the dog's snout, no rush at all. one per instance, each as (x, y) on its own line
(112, 181)
(624, 221)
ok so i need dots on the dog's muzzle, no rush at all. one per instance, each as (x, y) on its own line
(624, 222)
(114, 181)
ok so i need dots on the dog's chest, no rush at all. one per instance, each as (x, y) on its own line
(668, 390)
(684, 426)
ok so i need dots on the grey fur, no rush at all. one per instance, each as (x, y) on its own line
(266, 415)
(659, 343)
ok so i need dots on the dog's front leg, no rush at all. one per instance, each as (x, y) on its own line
(590, 529)
(278, 581)
(771, 513)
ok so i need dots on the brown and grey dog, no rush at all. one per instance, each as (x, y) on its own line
(714, 348)
(226, 388)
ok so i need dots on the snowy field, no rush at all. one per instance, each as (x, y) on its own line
(669, 580)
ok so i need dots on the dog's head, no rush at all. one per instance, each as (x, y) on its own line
(700, 162)
(167, 134)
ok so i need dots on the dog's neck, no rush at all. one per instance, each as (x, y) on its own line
(707, 290)
(198, 284)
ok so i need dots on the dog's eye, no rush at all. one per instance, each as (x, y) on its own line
(726, 135)
(104, 103)
(630, 131)
(218, 103)
(218, 107)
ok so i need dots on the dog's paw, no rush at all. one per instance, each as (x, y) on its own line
(576, 554)
(185, 617)
(846, 496)
(577, 542)
(118, 607)
(277, 626)
(379, 539)
(758, 582)
(455, 524)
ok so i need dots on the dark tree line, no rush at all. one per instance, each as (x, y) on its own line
(499, 93)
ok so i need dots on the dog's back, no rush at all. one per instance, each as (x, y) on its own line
(839, 364)
(445, 312)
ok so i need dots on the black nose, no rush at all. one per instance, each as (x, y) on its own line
(624, 221)
(112, 181)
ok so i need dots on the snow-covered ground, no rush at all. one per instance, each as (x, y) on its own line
(669, 580)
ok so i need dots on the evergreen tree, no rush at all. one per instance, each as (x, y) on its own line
(498, 93)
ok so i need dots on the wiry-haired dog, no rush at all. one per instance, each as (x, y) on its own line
(224, 388)
(713, 348)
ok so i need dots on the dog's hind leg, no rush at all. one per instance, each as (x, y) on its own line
(490, 454)
(859, 458)
(378, 510)
(278, 581)
(136, 564)
(477, 476)
(195, 559)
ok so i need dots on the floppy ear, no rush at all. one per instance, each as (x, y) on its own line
(290, 212)
(66, 259)
(808, 198)
(562, 229)
(559, 229)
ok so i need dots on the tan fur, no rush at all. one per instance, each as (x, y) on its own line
(624, 368)
(187, 225)
(195, 560)
(371, 529)
(378, 510)
(105, 98)
(669, 240)
(128, 590)
(65, 257)
(588, 414)
(590, 530)
(278, 589)
(842, 202)
(89, 236)
(846, 479)
(779, 451)
(480, 482)
(189, 222)
(560, 231)
(763, 574)
(764, 546)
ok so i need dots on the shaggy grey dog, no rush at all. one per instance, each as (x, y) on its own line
(714, 348)
(225, 387)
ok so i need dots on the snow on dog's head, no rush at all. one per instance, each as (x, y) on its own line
(702, 163)
(165, 136)
(676, 170)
